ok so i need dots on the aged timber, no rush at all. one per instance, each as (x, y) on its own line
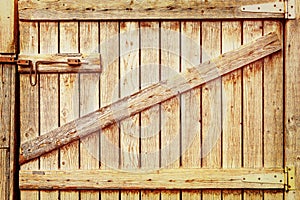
(124, 9)
(160, 179)
(149, 97)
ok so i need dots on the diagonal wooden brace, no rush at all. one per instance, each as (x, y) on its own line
(149, 97)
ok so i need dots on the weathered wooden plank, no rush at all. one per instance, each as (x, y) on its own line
(252, 108)
(4, 174)
(158, 179)
(273, 109)
(170, 109)
(169, 9)
(8, 30)
(231, 107)
(190, 104)
(150, 128)
(57, 63)
(109, 92)
(48, 99)
(149, 96)
(129, 83)
(89, 101)
(6, 92)
(292, 99)
(211, 106)
(69, 102)
(13, 144)
(29, 100)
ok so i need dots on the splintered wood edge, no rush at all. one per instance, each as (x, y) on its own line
(149, 96)
(271, 178)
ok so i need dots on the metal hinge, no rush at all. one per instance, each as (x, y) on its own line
(275, 178)
(288, 8)
(290, 179)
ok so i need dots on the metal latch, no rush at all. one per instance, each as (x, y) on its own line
(7, 59)
(287, 7)
(290, 179)
(34, 68)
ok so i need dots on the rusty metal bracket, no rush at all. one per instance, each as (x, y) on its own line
(28, 63)
(290, 179)
(287, 8)
(7, 59)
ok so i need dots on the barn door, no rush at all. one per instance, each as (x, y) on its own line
(219, 137)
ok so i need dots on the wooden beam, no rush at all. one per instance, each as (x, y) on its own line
(124, 9)
(149, 96)
(292, 99)
(8, 27)
(162, 179)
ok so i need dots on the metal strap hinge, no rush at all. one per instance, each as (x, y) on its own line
(275, 178)
(290, 179)
(288, 8)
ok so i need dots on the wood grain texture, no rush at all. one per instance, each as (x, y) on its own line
(129, 84)
(6, 107)
(292, 99)
(8, 30)
(89, 101)
(29, 105)
(252, 108)
(4, 174)
(109, 92)
(150, 96)
(211, 106)
(150, 124)
(190, 103)
(171, 179)
(170, 110)
(232, 107)
(69, 102)
(13, 136)
(48, 100)
(273, 108)
(129, 10)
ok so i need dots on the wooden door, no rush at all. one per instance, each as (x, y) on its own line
(230, 126)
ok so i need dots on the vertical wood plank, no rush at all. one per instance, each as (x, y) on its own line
(13, 137)
(29, 99)
(7, 23)
(129, 77)
(69, 102)
(190, 104)
(292, 99)
(89, 101)
(48, 99)
(6, 84)
(232, 107)
(252, 107)
(170, 110)
(109, 91)
(211, 106)
(273, 108)
(4, 171)
(150, 129)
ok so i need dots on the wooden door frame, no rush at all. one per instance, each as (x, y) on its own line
(292, 96)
